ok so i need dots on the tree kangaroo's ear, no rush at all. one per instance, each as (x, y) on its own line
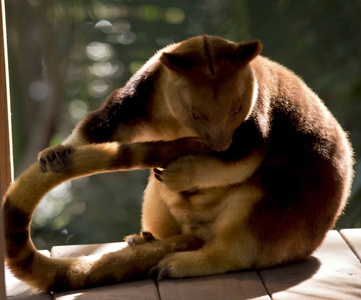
(245, 52)
(177, 62)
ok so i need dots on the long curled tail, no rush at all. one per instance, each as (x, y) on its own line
(23, 196)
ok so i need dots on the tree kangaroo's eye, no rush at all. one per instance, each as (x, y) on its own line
(236, 111)
(196, 116)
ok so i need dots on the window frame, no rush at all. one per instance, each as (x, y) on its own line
(6, 159)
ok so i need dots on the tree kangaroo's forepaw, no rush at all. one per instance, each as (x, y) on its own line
(54, 157)
(177, 175)
(136, 239)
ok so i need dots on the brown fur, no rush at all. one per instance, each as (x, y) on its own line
(272, 180)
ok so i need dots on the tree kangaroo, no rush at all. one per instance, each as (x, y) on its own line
(249, 169)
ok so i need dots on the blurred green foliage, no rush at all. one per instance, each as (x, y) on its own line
(66, 56)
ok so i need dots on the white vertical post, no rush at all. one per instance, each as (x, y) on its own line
(6, 163)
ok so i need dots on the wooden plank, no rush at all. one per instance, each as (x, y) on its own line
(353, 238)
(143, 289)
(18, 290)
(241, 285)
(135, 290)
(333, 272)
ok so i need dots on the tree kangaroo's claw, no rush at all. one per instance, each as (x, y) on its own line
(42, 164)
(163, 274)
(147, 236)
(131, 242)
(158, 274)
(158, 174)
(49, 161)
(153, 272)
(59, 157)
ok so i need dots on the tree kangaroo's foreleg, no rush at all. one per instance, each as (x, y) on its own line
(120, 118)
(25, 193)
(205, 171)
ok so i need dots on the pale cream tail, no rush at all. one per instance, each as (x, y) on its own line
(26, 192)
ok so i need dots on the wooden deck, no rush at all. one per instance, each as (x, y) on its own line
(333, 272)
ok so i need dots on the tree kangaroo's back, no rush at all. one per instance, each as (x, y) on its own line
(249, 169)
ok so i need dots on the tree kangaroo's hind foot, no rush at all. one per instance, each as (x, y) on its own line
(136, 239)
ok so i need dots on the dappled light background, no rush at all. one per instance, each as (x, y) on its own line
(66, 56)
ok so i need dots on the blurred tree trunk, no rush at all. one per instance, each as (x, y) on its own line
(40, 124)
(44, 123)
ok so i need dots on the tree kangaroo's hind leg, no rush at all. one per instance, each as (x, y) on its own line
(233, 246)
(135, 262)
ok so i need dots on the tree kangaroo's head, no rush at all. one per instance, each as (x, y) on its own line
(209, 86)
